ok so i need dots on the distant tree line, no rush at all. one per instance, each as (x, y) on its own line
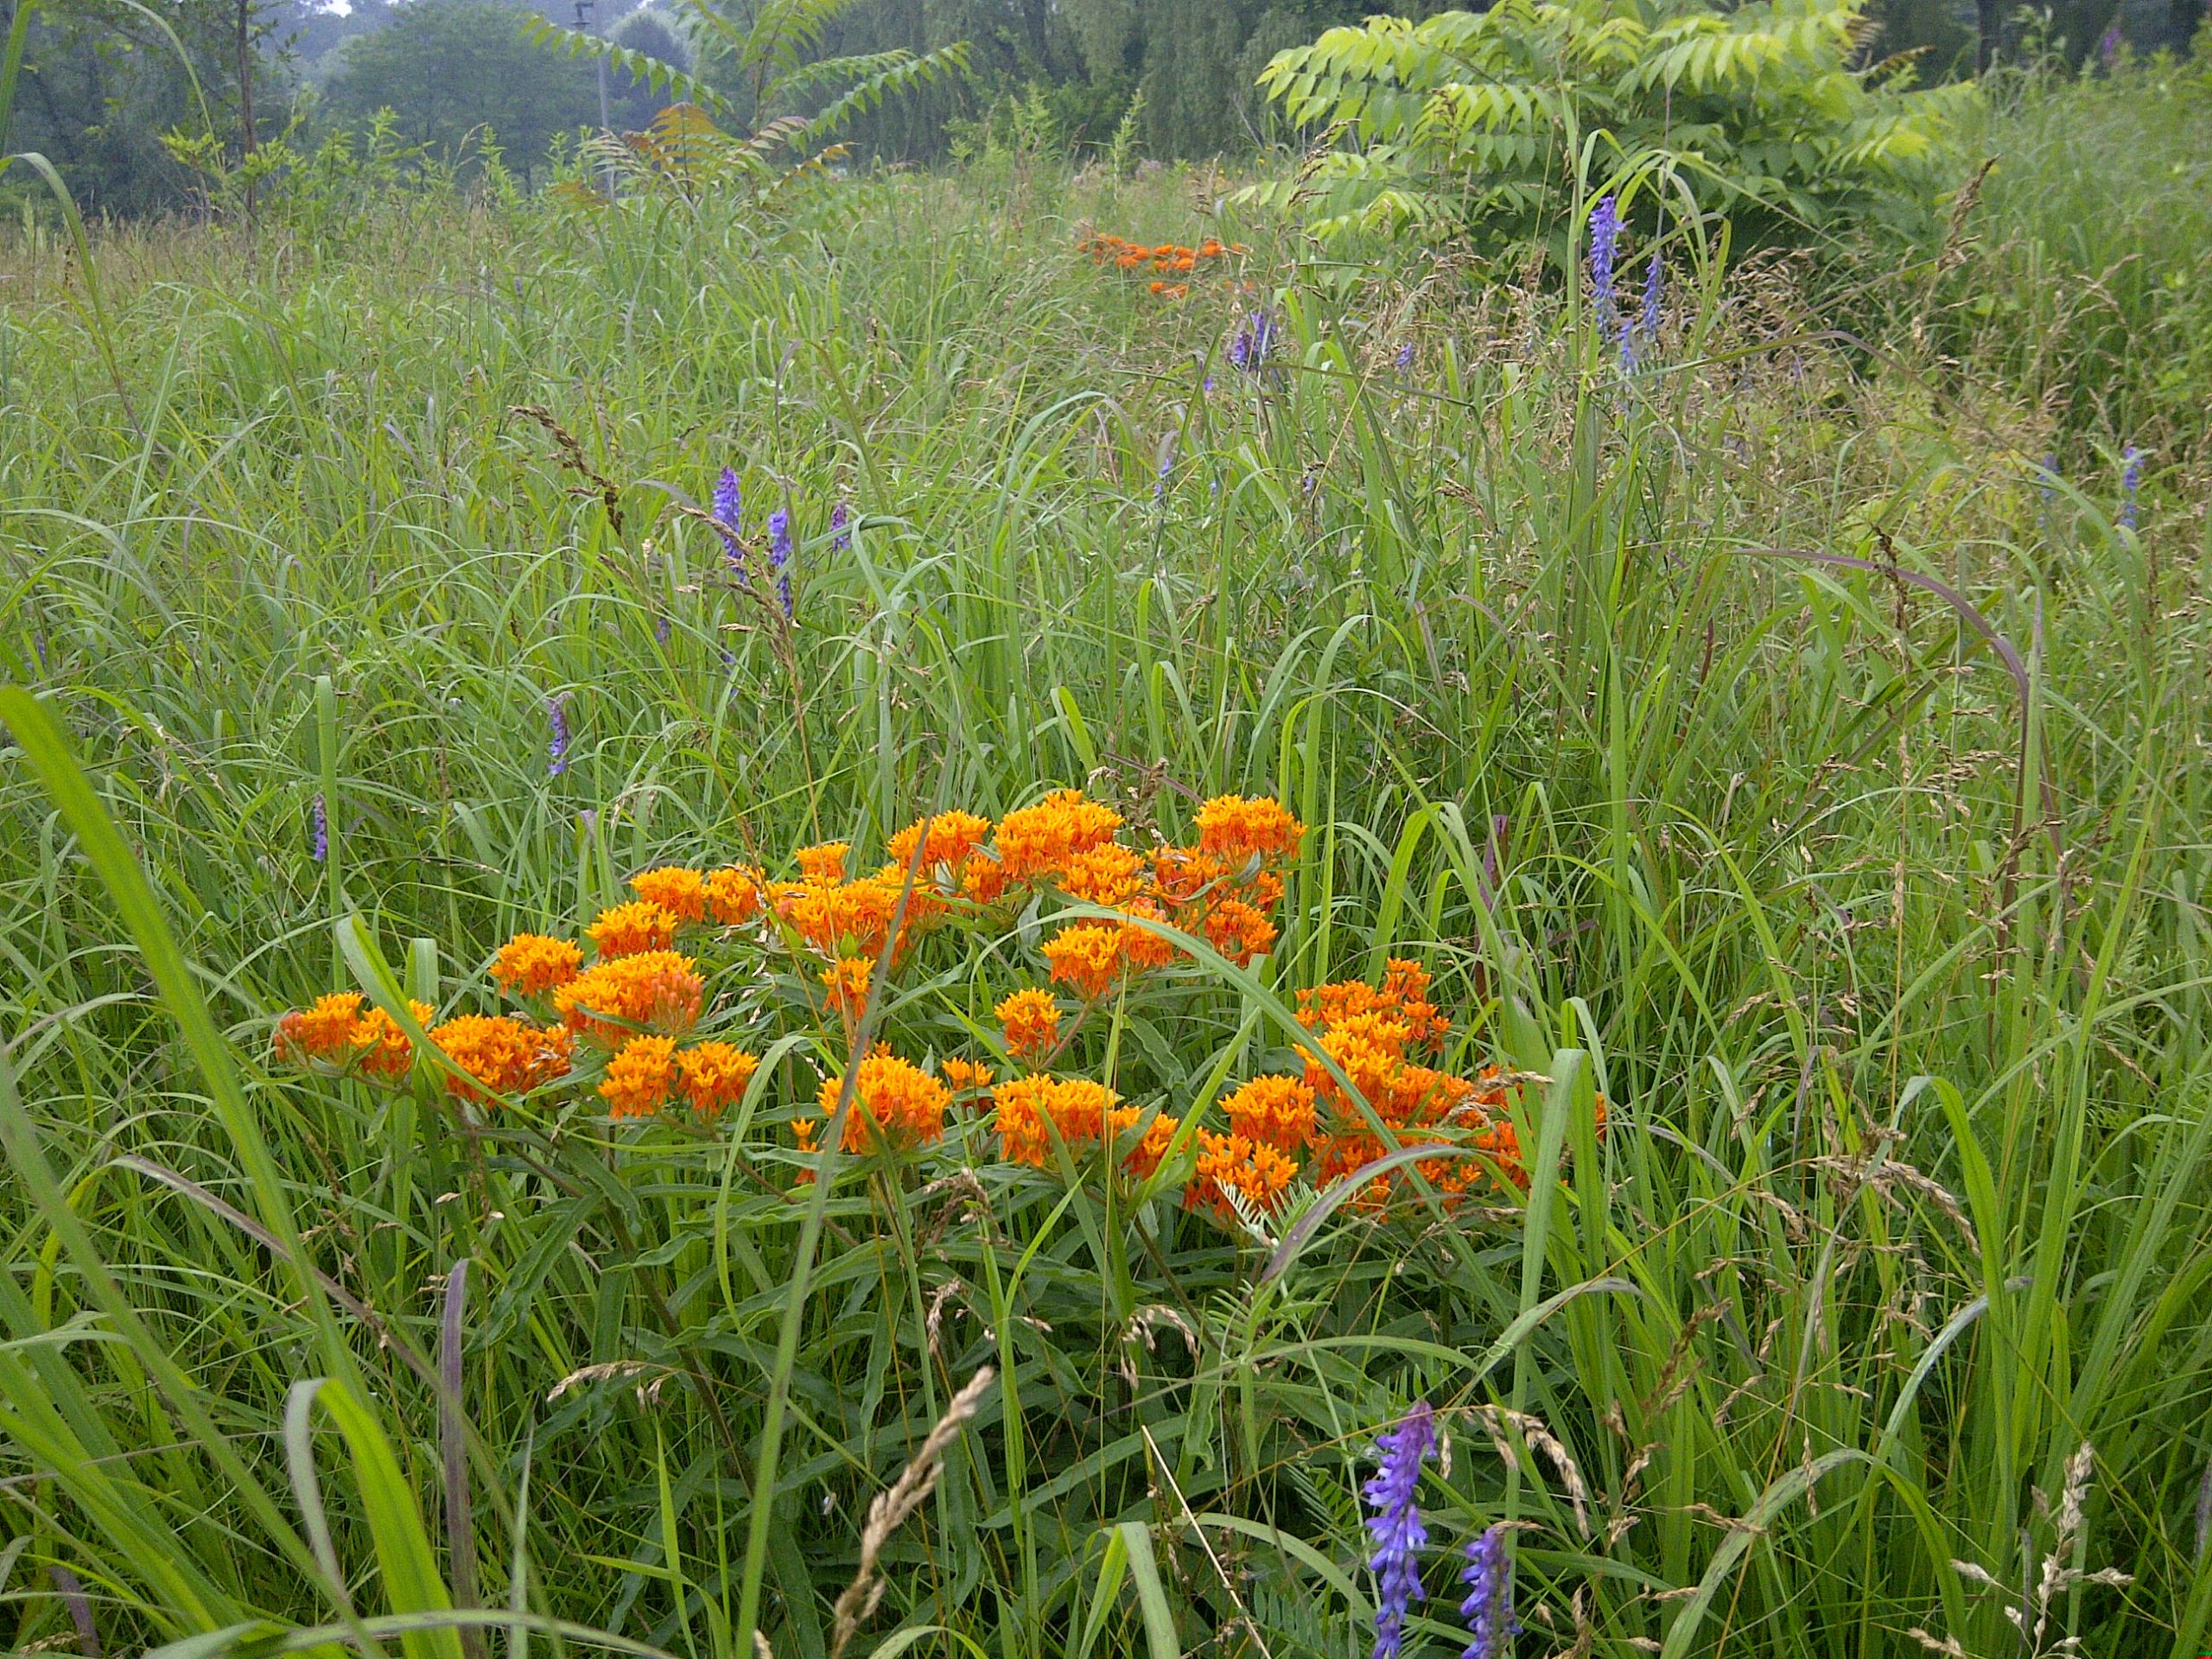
(102, 80)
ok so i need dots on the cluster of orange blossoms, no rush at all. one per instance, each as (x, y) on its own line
(622, 1006)
(1168, 260)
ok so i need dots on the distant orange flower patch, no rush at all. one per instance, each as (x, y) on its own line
(1170, 263)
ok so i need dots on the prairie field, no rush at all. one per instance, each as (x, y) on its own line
(1747, 808)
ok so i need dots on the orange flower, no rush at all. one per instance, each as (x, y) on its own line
(896, 1104)
(1107, 875)
(964, 1075)
(658, 989)
(639, 1076)
(324, 1032)
(1237, 830)
(715, 1075)
(1231, 1164)
(633, 928)
(1209, 249)
(848, 983)
(1237, 931)
(505, 1056)
(849, 918)
(1087, 957)
(1030, 1020)
(983, 879)
(1032, 1110)
(382, 1049)
(946, 840)
(1037, 841)
(1183, 876)
(682, 893)
(825, 864)
(1142, 949)
(1403, 997)
(733, 894)
(531, 964)
(1151, 1150)
(1022, 1104)
(1272, 1111)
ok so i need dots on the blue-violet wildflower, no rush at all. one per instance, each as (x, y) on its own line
(1605, 244)
(558, 751)
(1396, 1526)
(727, 503)
(779, 556)
(1489, 1606)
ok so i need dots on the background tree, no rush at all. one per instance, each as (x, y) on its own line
(101, 81)
(448, 68)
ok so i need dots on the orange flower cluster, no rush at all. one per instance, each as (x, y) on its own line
(656, 989)
(631, 930)
(615, 1010)
(1222, 889)
(503, 1056)
(1256, 1173)
(1034, 1110)
(896, 1105)
(847, 980)
(337, 1031)
(648, 1071)
(531, 964)
(964, 1077)
(499, 1056)
(1168, 260)
(1368, 1031)
(1030, 1021)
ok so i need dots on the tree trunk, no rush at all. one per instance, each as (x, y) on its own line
(246, 141)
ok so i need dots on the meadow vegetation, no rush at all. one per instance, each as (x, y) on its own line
(1785, 761)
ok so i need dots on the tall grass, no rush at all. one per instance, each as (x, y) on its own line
(1749, 744)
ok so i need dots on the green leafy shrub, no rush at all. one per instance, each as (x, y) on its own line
(1481, 123)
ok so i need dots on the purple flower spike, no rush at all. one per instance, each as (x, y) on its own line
(1654, 302)
(727, 503)
(1405, 357)
(1396, 1526)
(1489, 1606)
(841, 528)
(1249, 350)
(1605, 244)
(779, 556)
(558, 751)
(321, 830)
(2131, 481)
